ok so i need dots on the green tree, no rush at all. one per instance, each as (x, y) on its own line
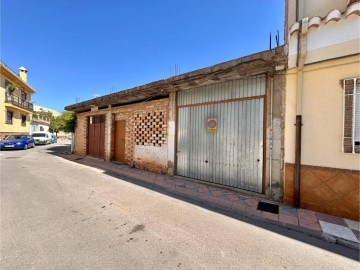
(54, 124)
(66, 122)
(53, 127)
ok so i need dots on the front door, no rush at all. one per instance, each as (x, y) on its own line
(120, 128)
(96, 133)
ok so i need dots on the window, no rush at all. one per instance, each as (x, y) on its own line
(9, 117)
(351, 133)
(23, 95)
(23, 120)
(41, 128)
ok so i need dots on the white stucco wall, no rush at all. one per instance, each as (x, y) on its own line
(329, 41)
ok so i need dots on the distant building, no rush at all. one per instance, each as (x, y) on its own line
(15, 101)
(39, 108)
(39, 122)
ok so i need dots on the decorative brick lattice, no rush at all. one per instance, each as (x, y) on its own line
(150, 129)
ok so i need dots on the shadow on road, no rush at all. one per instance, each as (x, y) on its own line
(58, 149)
(64, 152)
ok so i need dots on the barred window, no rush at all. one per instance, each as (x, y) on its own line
(23, 120)
(9, 117)
(351, 133)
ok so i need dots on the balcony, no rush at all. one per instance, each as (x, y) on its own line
(40, 119)
(19, 102)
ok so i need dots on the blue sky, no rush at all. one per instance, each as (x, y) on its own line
(75, 49)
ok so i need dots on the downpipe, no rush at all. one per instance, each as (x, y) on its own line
(271, 135)
(302, 49)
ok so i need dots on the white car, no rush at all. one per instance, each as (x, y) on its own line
(42, 137)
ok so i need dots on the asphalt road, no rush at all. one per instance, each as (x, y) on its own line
(56, 214)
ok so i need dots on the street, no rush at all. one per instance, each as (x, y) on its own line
(56, 214)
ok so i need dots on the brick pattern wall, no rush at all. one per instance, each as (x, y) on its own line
(150, 128)
(146, 133)
(327, 190)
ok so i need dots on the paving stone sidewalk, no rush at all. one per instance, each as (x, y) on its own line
(334, 229)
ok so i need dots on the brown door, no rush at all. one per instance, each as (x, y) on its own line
(96, 133)
(120, 127)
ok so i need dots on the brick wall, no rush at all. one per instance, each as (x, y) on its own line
(146, 133)
(81, 130)
(80, 134)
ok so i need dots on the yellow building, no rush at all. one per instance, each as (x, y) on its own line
(322, 120)
(15, 102)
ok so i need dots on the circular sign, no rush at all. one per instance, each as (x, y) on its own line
(212, 123)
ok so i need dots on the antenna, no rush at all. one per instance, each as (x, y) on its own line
(176, 70)
(277, 39)
(270, 42)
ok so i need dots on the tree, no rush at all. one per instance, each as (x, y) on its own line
(53, 127)
(66, 122)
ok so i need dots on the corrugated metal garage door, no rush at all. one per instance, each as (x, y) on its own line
(232, 154)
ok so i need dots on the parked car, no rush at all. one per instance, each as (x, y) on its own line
(19, 141)
(42, 137)
(53, 138)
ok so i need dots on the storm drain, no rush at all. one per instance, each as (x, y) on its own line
(78, 158)
(11, 157)
(268, 207)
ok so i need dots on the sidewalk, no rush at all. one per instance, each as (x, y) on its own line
(330, 228)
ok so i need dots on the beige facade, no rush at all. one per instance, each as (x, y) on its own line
(322, 108)
(328, 36)
(15, 102)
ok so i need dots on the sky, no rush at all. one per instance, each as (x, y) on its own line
(75, 50)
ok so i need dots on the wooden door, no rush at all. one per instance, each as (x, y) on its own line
(120, 128)
(96, 133)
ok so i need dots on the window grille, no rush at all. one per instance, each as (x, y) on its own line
(9, 117)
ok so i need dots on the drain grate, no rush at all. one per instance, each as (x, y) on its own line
(80, 158)
(11, 157)
(268, 207)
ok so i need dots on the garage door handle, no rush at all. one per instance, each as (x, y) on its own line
(258, 160)
(206, 161)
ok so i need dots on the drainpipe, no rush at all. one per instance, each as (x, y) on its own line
(72, 149)
(301, 55)
(271, 133)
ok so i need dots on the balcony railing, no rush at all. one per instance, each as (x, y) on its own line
(40, 118)
(18, 101)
